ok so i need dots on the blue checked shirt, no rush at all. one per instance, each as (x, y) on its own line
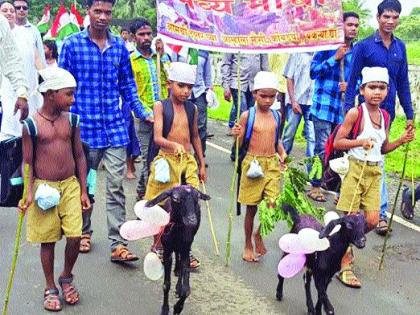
(327, 101)
(102, 77)
(371, 52)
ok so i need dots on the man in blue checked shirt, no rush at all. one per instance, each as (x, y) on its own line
(330, 70)
(100, 63)
(383, 49)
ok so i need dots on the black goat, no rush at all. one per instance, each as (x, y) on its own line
(177, 238)
(324, 264)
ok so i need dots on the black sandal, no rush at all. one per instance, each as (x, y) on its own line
(70, 294)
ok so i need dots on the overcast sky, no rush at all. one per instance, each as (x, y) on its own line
(372, 5)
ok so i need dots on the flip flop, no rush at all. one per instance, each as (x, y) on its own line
(316, 196)
(349, 279)
(382, 227)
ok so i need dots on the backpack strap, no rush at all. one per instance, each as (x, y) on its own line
(74, 120)
(30, 125)
(387, 118)
(249, 126)
(168, 117)
(356, 127)
(277, 118)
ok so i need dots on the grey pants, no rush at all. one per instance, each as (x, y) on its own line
(114, 160)
(145, 134)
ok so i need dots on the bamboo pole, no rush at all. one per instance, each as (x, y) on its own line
(235, 169)
(213, 234)
(381, 263)
(17, 240)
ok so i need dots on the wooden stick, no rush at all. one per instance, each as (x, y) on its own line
(158, 70)
(17, 240)
(381, 263)
(234, 176)
(213, 234)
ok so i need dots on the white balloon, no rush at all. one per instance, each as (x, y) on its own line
(290, 243)
(311, 242)
(135, 229)
(153, 267)
(328, 217)
(155, 215)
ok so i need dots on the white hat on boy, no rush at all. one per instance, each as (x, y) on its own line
(375, 74)
(266, 80)
(182, 72)
(55, 78)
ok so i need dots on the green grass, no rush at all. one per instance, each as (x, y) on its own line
(394, 160)
(413, 52)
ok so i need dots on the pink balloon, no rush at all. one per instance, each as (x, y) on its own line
(135, 229)
(290, 265)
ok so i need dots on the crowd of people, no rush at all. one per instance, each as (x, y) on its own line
(130, 100)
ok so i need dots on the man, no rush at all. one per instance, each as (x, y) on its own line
(125, 35)
(22, 10)
(11, 67)
(249, 66)
(383, 49)
(150, 88)
(298, 101)
(330, 70)
(100, 63)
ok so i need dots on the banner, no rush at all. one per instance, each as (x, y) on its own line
(252, 26)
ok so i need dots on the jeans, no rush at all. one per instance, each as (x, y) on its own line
(384, 194)
(247, 101)
(114, 160)
(293, 121)
(145, 135)
(323, 130)
(201, 104)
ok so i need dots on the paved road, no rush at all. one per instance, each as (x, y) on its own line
(243, 288)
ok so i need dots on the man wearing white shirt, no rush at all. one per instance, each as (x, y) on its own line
(22, 10)
(11, 67)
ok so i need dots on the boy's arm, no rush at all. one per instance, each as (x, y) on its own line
(406, 137)
(196, 143)
(341, 141)
(282, 152)
(238, 130)
(158, 131)
(27, 153)
(81, 167)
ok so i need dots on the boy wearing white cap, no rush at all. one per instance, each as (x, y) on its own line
(260, 176)
(176, 133)
(365, 153)
(56, 191)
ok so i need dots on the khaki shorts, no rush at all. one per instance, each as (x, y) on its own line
(66, 218)
(253, 190)
(184, 165)
(368, 195)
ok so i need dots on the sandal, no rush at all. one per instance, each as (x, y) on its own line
(122, 254)
(407, 209)
(194, 262)
(317, 196)
(85, 243)
(349, 279)
(52, 301)
(382, 227)
(70, 294)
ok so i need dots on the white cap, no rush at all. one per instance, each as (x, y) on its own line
(266, 80)
(182, 72)
(55, 78)
(375, 74)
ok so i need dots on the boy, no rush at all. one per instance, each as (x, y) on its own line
(175, 147)
(261, 148)
(365, 151)
(57, 164)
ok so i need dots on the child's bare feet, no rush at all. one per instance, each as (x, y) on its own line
(259, 245)
(248, 255)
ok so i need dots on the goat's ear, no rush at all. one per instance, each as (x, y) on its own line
(325, 232)
(201, 195)
(159, 199)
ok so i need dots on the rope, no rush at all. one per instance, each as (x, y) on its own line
(213, 234)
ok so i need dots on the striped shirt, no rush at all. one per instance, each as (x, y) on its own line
(371, 52)
(102, 77)
(146, 77)
(297, 69)
(326, 71)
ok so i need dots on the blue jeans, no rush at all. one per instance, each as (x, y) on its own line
(384, 194)
(323, 130)
(293, 121)
(247, 101)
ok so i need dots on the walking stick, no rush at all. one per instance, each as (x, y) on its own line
(381, 263)
(158, 70)
(213, 234)
(17, 240)
(232, 184)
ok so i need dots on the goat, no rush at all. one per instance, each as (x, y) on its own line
(177, 238)
(324, 264)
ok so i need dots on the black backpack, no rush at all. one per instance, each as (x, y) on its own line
(168, 118)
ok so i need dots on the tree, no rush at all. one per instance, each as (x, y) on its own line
(358, 7)
(132, 9)
(37, 8)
